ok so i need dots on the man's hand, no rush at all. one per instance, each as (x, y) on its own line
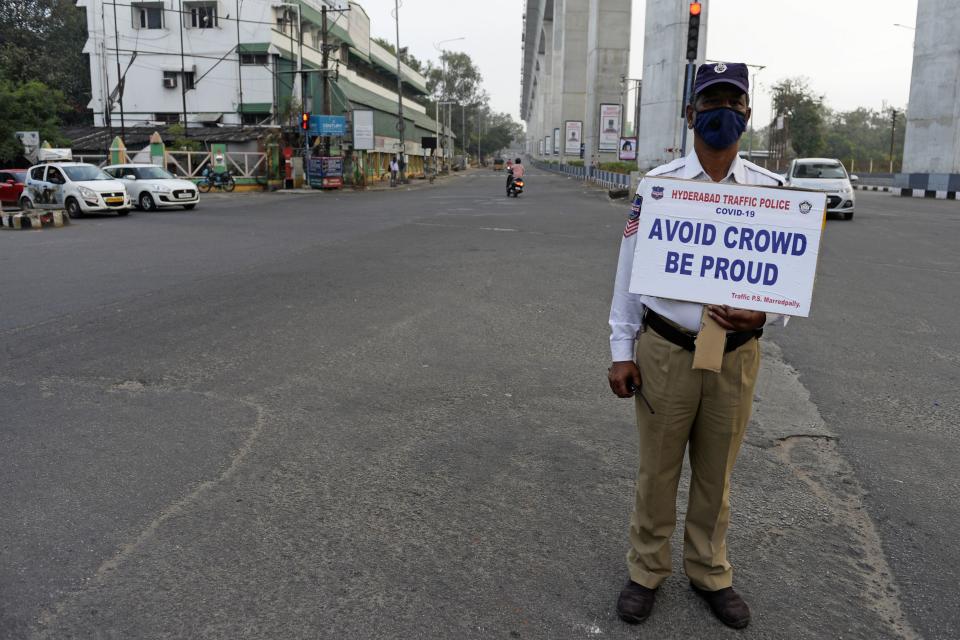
(736, 319)
(624, 377)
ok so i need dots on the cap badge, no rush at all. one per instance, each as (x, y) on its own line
(720, 68)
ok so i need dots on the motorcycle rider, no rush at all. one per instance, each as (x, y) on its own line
(515, 173)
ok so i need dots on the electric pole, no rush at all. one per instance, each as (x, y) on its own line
(400, 123)
(116, 50)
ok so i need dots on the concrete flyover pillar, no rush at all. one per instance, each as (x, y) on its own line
(608, 58)
(570, 70)
(931, 153)
(545, 89)
(664, 62)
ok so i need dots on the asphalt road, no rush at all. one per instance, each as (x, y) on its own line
(385, 415)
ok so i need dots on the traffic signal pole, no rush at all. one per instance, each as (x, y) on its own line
(693, 44)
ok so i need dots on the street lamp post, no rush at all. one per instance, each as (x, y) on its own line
(753, 88)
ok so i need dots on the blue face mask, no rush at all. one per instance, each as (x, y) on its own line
(721, 127)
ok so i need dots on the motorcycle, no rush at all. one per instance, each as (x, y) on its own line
(212, 179)
(515, 188)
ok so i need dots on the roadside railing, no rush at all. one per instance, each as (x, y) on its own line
(243, 164)
(606, 179)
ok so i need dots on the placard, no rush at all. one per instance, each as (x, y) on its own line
(363, 137)
(573, 133)
(548, 145)
(556, 141)
(627, 149)
(609, 127)
(745, 246)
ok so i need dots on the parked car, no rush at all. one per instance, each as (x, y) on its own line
(825, 174)
(77, 186)
(11, 186)
(151, 187)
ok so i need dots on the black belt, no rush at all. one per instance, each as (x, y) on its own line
(684, 340)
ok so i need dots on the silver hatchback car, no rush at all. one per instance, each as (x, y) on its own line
(825, 174)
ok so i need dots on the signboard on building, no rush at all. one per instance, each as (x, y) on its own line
(548, 145)
(716, 243)
(609, 135)
(539, 147)
(363, 137)
(627, 149)
(573, 133)
(328, 125)
(556, 141)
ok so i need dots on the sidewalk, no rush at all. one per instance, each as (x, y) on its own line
(384, 185)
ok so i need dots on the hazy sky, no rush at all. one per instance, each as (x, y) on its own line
(848, 49)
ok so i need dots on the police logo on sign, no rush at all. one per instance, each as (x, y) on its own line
(805, 207)
(720, 68)
(656, 193)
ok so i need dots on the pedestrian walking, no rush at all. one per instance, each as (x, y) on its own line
(394, 169)
(652, 343)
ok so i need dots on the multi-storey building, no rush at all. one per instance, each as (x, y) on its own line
(245, 62)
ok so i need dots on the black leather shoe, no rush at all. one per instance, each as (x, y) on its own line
(635, 602)
(727, 606)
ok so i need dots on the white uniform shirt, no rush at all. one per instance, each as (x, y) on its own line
(626, 310)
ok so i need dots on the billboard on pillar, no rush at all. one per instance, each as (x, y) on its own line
(548, 145)
(609, 137)
(572, 136)
(556, 141)
(628, 149)
(539, 147)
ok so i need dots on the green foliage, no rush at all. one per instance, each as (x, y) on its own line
(29, 106)
(618, 167)
(574, 163)
(864, 135)
(805, 115)
(179, 141)
(812, 129)
(44, 39)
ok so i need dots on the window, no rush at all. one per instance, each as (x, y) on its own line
(819, 170)
(170, 79)
(253, 58)
(54, 176)
(254, 118)
(147, 16)
(168, 118)
(203, 15)
(37, 173)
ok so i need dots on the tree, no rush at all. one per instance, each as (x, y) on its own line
(44, 39)
(405, 56)
(30, 106)
(804, 114)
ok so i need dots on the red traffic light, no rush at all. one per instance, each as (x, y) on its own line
(305, 121)
(695, 8)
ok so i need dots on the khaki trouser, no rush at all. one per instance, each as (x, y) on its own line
(709, 411)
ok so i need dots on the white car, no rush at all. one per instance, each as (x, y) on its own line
(76, 186)
(825, 174)
(152, 187)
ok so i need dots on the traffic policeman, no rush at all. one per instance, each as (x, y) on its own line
(651, 342)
